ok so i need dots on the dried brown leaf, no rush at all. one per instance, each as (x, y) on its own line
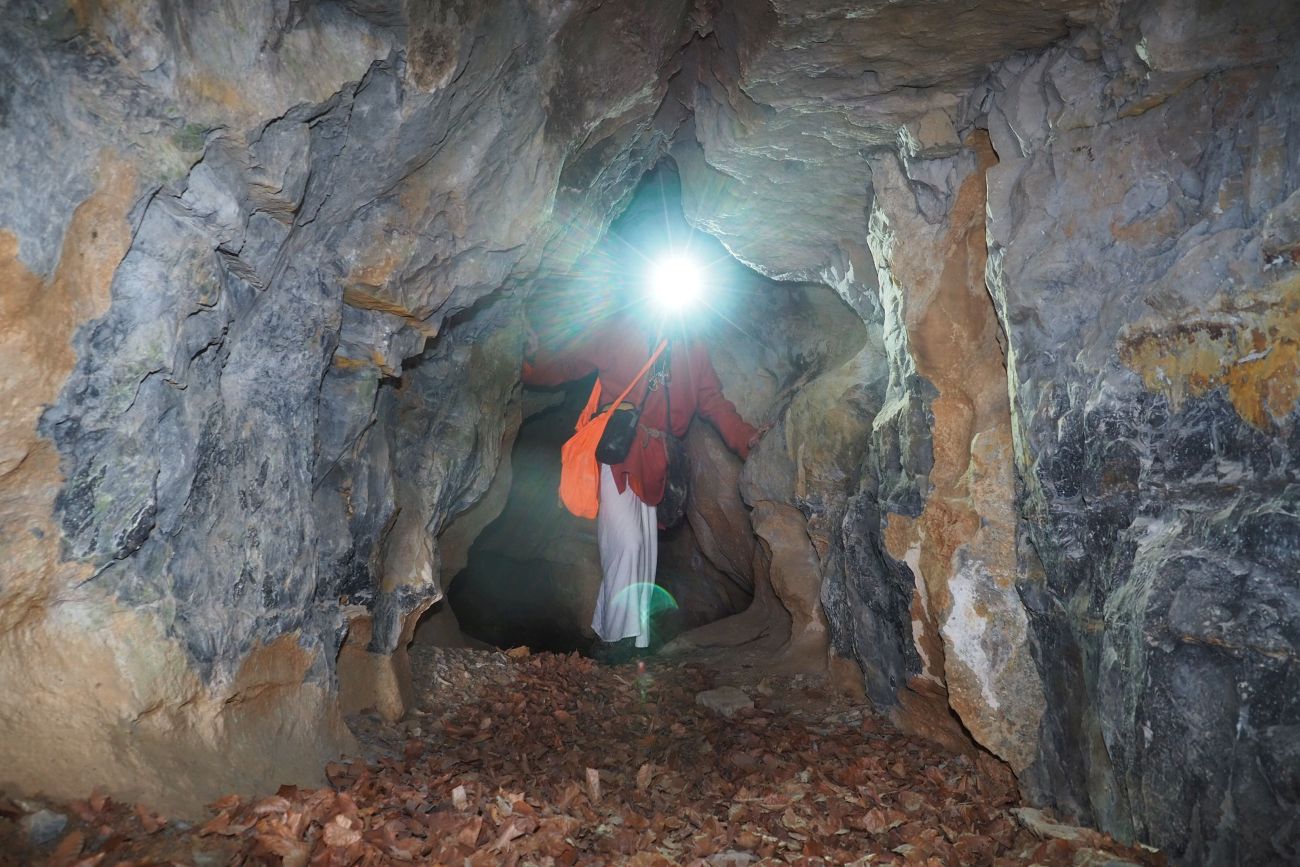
(340, 832)
(227, 802)
(69, 847)
(216, 825)
(99, 799)
(151, 822)
(271, 805)
(468, 835)
(911, 801)
(793, 821)
(293, 853)
(643, 776)
(512, 829)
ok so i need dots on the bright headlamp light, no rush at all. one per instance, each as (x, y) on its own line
(675, 282)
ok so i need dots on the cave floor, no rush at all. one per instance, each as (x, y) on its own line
(545, 759)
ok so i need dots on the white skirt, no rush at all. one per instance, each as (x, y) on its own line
(627, 533)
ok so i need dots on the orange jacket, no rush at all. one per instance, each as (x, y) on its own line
(617, 352)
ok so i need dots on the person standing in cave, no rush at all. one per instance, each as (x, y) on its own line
(627, 524)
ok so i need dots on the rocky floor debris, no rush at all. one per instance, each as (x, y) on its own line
(554, 760)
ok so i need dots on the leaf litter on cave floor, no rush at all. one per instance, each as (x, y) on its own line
(534, 758)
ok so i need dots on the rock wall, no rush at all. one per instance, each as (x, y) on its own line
(968, 624)
(1073, 537)
(1142, 228)
(247, 256)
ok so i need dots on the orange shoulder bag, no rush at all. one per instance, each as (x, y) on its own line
(579, 469)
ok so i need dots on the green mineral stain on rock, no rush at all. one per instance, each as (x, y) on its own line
(190, 137)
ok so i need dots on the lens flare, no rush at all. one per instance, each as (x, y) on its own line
(656, 599)
(675, 282)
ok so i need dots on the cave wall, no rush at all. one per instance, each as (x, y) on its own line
(1049, 507)
(247, 255)
(751, 519)
(530, 577)
(1073, 538)
(1142, 236)
(968, 624)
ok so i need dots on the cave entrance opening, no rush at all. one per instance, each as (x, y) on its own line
(532, 575)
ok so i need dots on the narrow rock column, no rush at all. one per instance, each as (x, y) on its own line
(969, 624)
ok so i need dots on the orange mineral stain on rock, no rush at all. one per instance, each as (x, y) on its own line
(38, 319)
(368, 298)
(99, 696)
(951, 324)
(217, 94)
(43, 722)
(1249, 346)
(923, 710)
(95, 694)
(379, 681)
(91, 14)
(961, 541)
(1164, 223)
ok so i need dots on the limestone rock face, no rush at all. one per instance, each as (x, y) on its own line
(1142, 176)
(967, 621)
(246, 252)
(809, 377)
(1082, 258)
(796, 92)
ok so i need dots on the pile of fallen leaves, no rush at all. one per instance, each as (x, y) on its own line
(566, 762)
(445, 678)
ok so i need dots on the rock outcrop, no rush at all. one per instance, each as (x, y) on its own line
(1144, 176)
(1118, 596)
(244, 247)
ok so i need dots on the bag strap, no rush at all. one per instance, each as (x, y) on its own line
(653, 357)
(667, 348)
(644, 370)
(668, 391)
(592, 408)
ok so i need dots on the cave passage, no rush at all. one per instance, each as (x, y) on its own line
(1007, 572)
(533, 573)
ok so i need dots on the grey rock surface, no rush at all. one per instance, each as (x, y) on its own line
(44, 826)
(299, 381)
(725, 700)
(1160, 546)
